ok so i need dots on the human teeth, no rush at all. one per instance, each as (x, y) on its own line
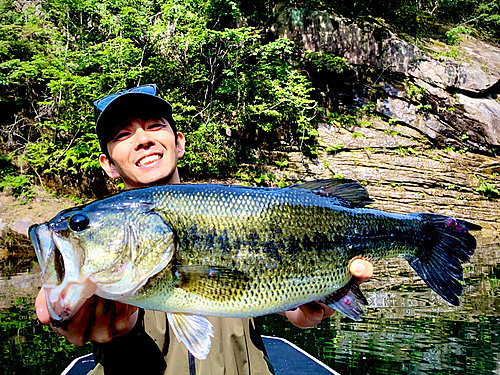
(148, 160)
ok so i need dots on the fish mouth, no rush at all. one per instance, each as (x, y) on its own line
(65, 293)
(147, 160)
(47, 253)
(32, 231)
(64, 301)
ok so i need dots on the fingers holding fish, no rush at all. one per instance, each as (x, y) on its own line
(125, 318)
(42, 312)
(78, 330)
(103, 329)
(309, 315)
(111, 319)
(97, 320)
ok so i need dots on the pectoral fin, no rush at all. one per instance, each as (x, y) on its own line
(194, 331)
(348, 300)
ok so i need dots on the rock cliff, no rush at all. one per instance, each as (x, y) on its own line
(448, 93)
(433, 141)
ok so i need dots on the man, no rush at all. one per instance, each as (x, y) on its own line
(141, 145)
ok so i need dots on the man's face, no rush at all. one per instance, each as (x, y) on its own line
(144, 152)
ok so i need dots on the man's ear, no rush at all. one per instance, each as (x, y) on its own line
(181, 143)
(108, 166)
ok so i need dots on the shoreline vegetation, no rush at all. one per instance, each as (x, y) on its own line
(235, 86)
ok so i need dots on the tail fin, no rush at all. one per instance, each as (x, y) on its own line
(447, 244)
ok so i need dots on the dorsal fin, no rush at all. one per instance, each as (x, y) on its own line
(349, 192)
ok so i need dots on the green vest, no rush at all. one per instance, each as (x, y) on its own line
(151, 348)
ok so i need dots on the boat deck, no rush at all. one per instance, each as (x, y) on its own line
(287, 359)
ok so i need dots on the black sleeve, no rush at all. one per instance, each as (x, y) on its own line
(133, 353)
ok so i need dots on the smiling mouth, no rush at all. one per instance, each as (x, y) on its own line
(147, 160)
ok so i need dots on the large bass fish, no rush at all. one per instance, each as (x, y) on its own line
(233, 251)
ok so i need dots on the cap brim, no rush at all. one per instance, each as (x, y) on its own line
(131, 105)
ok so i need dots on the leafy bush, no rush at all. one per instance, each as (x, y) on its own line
(489, 190)
(16, 183)
(454, 35)
(19, 185)
(221, 78)
(328, 62)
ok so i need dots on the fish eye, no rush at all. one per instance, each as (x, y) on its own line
(78, 222)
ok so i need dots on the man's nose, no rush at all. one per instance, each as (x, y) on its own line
(142, 139)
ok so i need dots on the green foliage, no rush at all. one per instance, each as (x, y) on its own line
(335, 147)
(454, 35)
(6, 167)
(424, 107)
(343, 120)
(415, 92)
(366, 124)
(281, 164)
(256, 176)
(326, 62)
(446, 109)
(19, 185)
(57, 59)
(453, 53)
(489, 190)
(405, 151)
(391, 132)
(206, 144)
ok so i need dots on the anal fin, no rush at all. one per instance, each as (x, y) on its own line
(347, 300)
(194, 331)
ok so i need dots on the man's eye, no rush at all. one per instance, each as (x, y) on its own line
(121, 135)
(156, 126)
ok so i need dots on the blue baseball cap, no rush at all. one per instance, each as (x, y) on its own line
(114, 110)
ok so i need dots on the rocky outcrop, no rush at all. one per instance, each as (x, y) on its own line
(433, 145)
(406, 179)
(448, 93)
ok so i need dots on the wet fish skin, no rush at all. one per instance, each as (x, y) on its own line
(238, 251)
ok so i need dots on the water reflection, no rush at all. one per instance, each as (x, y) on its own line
(408, 329)
(26, 346)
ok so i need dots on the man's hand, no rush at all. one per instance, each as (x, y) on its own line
(97, 320)
(311, 314)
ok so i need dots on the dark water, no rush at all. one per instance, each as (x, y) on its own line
(408, 328)
(26, 346)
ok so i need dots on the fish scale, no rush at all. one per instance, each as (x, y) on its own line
(230, 251)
